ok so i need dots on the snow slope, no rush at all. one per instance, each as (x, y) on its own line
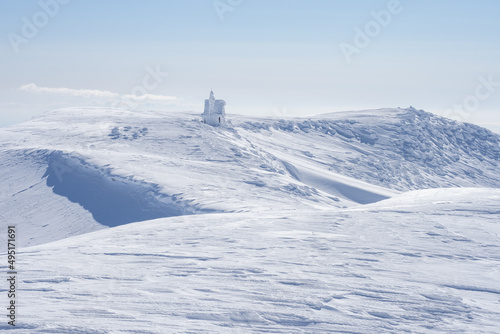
(426, 261)
(379, 221)
(77, 170)
(401, 149)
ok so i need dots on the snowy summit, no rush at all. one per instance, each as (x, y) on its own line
(375, 221)
(215, 111)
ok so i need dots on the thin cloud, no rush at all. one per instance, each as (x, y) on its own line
(97, 93)
(69, 91)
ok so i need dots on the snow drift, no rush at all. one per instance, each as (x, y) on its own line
(90, 168)
(147, 222)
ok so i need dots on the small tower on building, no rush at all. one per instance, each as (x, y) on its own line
(215, 111)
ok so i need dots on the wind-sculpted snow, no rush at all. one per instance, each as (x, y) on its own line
(111, 200)
(402, 149)
(309, 229)
(421, 262)
(55, 195)
(119, 166)
(28, 203)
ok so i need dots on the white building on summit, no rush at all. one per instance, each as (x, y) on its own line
(215, 111)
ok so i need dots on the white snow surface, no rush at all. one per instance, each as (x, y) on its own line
(427, 261)
(379, 221)
(121, 166)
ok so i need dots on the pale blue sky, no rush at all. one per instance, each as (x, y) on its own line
(266, 57)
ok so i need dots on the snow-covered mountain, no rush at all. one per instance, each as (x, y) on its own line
(297, 225)
(73, 171)
(401, 149)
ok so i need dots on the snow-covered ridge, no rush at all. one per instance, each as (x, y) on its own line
(402, 149)
(82, 169)
(310, 227)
